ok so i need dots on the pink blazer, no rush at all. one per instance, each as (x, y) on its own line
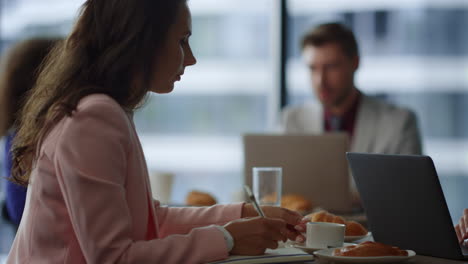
(89, 200)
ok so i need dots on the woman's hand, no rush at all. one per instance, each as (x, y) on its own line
(294, 221)
(461, 228)
(252, 236)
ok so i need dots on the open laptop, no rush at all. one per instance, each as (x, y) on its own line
(404, 203)
(314, 166)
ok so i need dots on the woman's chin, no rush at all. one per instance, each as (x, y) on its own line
(164, 90)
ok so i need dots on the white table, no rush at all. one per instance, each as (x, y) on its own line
(415, 260)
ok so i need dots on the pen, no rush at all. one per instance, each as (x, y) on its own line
(253, 201)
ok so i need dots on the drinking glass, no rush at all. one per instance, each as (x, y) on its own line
(267, 185)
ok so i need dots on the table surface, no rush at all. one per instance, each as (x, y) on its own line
(418, 259)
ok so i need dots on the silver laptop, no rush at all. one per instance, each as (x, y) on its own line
(404, 203)
(314, 166)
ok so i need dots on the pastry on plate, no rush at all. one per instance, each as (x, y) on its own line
(352, 228)
(197, 198)
(369, 249)
(296, 202)
(324, 216)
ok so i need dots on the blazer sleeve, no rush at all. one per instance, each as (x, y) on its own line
(303, 118)
(288, 121)
(410, 142)
(91, 161)
(180, 220)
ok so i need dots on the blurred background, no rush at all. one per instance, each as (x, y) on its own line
(413, 53)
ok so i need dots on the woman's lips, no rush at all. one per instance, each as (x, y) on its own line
(325, 94)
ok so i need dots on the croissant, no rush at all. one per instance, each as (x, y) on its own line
(369, 249)
(324, 216)
(295, 202)
(355, 229)
(352, 228)
(196, 198)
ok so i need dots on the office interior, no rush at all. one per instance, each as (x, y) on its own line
(414, 53)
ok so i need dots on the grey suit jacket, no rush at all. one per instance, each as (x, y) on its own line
(380, 127)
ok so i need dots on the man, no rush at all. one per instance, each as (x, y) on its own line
(374, 126)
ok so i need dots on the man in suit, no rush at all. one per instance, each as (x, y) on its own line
(332, 56)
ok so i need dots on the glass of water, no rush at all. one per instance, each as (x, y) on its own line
(267, 184)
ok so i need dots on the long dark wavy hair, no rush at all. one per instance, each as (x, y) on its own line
(111, 50)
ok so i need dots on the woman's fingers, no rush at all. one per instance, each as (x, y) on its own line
(462, 226)
(459, 234)
(252, 236)
(464, 219)
(273, 244)
(290, 217)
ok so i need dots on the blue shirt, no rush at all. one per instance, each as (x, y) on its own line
(15, 194)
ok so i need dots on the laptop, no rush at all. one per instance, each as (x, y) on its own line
(404, 203)
(314, 166)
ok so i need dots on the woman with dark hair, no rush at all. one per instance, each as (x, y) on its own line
(20, 67)
(89, 198)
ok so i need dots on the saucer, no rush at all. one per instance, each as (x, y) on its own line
(354, 238)
(327, 255)
(311, 250)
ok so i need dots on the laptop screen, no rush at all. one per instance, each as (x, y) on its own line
(404, 203)
(314, 166)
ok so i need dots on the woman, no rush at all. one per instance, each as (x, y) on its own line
(89, 199)
(19, 72)
(462, 229)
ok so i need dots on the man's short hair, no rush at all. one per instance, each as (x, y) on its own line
(332, 33)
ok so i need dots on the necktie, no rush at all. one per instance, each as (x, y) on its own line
(335, 123)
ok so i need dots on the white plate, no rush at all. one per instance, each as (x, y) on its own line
(310, 250)
(354, 238)
(327, 254)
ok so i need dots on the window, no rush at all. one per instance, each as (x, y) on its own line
(195, 132)
(414, 54)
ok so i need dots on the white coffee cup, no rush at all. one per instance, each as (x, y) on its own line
(324, 235)
(161, 185)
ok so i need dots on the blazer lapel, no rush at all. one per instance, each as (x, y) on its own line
(152, 207)
(364, 130)
(316, 120)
